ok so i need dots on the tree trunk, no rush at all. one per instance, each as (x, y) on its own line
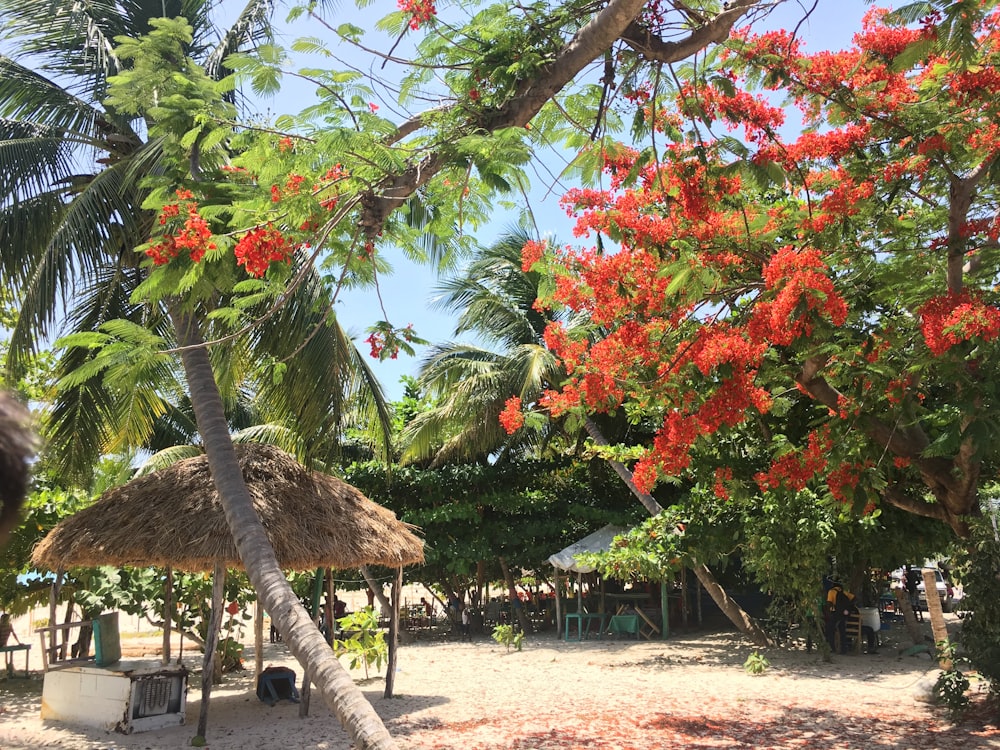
(390, 665)
(211, 641)
(376, 588)
(515, 602)
(736, 614)
(168, 605)
(297, 629)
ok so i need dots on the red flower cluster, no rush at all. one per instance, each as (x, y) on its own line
(794, 470)
(843, 480)
(512, 418)
(531, 253)
(192, 237)
(803, 287)
(950, 319)
(421, 11)
(260, 247)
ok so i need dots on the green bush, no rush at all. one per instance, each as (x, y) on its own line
(366, 643)
(756, 663)
(978, 569)
(505, 635)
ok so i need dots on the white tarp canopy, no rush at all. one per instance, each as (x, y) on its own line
(599, 541)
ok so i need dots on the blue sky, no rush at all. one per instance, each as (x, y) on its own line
(407, 293)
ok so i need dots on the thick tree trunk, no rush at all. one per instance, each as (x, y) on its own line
(515, 602)
(297, 629)
(376, 588)
(736, 614)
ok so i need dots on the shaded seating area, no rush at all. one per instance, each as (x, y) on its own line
(173, 518)
(617, 612)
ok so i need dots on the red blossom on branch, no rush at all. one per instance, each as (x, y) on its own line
(259, 248)
(512, 418)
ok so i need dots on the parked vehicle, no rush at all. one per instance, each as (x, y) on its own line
(946, 592)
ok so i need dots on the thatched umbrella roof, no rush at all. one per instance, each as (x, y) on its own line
(173, 517)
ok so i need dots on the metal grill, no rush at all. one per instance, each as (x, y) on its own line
(153, 696)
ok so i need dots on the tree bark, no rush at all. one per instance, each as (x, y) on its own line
(376, 588)
(736, 614)
(390, 666)
(297, 629)
(168, 606)
(211, 641)
(515, 602)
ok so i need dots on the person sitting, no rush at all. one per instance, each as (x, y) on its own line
(339, 608)
(840, 605)
(7, 630)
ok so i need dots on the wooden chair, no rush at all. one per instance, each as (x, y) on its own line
(853, 629)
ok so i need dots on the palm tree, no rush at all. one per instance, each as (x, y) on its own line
(494, 301)
(72, 224)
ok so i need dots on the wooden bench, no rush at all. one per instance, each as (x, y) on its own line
(107, 643)
(8, 656)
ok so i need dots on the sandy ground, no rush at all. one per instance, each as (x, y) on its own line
(689, 691)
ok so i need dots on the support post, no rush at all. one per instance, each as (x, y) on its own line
(211, 642)
(168, 607)
(664, 611)
(390, 667)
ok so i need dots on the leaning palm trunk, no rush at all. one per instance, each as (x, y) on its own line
(728, 606)
(17, 446)
(297, 629)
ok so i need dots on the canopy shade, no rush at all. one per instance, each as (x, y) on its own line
(173, 517)
(599, 541)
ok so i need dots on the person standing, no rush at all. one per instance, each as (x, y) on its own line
(911, 580)
(466, 624)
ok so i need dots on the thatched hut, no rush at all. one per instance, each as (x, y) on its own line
(173, 518)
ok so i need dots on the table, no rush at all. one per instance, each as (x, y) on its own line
(8, 655)
(647, 628)
(583, 621)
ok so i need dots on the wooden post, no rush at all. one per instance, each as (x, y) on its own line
(903, 598)
(938, 628)
(684, 599)
(53, 615)
(168, 606)
(258, 641)
(305, 693)
(390, 667)
(664, 611)
(559, 623)
(211, 642)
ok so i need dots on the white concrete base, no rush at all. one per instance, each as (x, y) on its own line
(127, 696)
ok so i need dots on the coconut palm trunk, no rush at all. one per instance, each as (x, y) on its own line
(726, 604)
(297, 629)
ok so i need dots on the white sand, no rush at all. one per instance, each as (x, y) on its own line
(690, 691)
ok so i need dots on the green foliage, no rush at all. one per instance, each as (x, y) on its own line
(365, 645)
(505, 635)
(522, 510)
(952, 686)
(976, 567)
(756, 664)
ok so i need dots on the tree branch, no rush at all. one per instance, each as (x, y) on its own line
(653, 47)
(589, 43)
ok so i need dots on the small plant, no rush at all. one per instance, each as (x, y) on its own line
(505, 635)
(951, 687)
(366, 644)
(756, 663)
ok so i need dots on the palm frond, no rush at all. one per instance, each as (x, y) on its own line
(251, 26)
